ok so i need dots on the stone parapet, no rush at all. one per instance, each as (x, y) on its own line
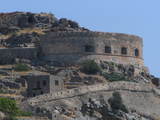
(68, 34)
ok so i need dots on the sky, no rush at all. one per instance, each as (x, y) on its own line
(139, 17)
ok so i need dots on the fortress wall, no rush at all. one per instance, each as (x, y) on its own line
(8, 55)
(70, 46)
(129, 86)
(73, 59)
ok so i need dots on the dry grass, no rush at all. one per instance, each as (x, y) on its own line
(23, 31)
(35, 118)
(23, 73)
(30, 72)
(9, 95)
(157, 119)
(5, 66)
(5, 36)
(30, 30)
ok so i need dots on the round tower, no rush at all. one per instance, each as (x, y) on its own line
(74, 47)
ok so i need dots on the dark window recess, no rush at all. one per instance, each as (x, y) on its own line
(136, 52)
(44, 83)
(89, 48)
(108, 49)
(56, 82)
(38, 84)
(31, 19)
(124, 51)
(38, 110)
(34, 94)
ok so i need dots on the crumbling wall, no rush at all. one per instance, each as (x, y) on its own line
(8, 55)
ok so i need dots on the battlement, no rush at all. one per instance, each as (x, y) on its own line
(68, 34)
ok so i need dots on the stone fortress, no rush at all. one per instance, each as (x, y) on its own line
(73, 47)
(69, 46)
(63, 43)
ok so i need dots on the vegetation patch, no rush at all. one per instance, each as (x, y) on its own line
(21, 67)
(113, 77)
(4, 91)
(9, 107)
(116, 103)
(90, 67)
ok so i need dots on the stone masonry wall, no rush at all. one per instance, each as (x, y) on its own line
(129, 86)
(8, 55)
(69, 47)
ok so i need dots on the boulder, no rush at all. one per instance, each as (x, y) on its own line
(156, 81)
(2, 116)
(10, 84)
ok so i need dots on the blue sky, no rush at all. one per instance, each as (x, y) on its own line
(140, 17)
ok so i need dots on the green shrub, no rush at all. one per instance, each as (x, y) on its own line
(90, 67)
(23, 113)
(4, 91)
(113, 77)
(116, 102)
(9, 107)
(21, 67)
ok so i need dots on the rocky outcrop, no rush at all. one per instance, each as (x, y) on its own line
(24, 19)
(2, 116)
(22, 40)
(64, 24)
(12, 22)
(115, 110)
(10, 84)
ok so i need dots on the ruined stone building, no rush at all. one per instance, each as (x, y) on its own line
(38, 84)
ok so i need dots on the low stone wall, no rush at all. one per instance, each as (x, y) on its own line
(129, 86)
(32, 118)
(8, 55)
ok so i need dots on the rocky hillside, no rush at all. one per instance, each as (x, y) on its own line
(17, 20)
(114, 101)
(23, 29)
(109, 92)
(92, 91)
